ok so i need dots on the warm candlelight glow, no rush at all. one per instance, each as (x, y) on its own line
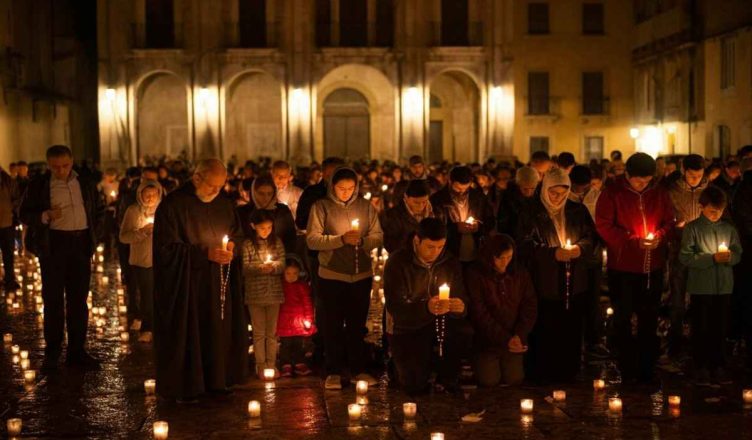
(526, 406)
(354, 411)
(113, 194)
(105, 279)
(15, 349)
(225, 240)
(568, 245)
(7, 338)
(124, 336)
(150, 385)
(149, 220)
(437, 436)
(560, 395)
(361, 387)
(367, 196)
(674, 400)
(599, 384)
(377, 278)
(470, 220)
(24, 354)
(650, 236)
(268, 259)
(161, 430)
(307, 324)
(14, 427)
(15, 359)
(25, 364)
(30, 375)
(254, 409)
(747, 395)
(410, 410)
(723, 247)
(609, 311)
(444, 292)
(614, 404)
(355, 225)
(269, 373)
(384, 187)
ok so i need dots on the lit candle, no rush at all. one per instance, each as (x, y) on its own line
(384, 187)
(268, 259)
(25, 364)
(362, 400)
(149, 220)
(526, 406)
(15, 359)
(124, 336)
(361, 387)
(650, 236)
(24, 354)
(113, 194)
(225, 240)
(355, 411)
(674, 400)
(444, 292)
(599, 384)
(355, 225)
(105, 279)
(723, 247)
(122, 310)
(437, 436)
(609, 311)
(568, 245)
(269, 373)
(254, 409)
(470, 220)
(614, 404)
(7, 338)
(161, 430)
(747, 395)
(377, 278)
(30, 375)
(306, 324)
(409, 409)
(14, 427)
(150, 386)
(15, 349)
(367, 196)
(560, 395)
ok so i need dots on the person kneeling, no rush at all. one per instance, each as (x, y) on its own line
(412, 278)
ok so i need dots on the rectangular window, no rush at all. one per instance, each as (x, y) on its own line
(593, 101)
(537, 18)
(385, 23)
(593, 148)
(160, 24)
(728, 63)
(592, 19)
(323, 22)
(537, 92)
(252, 23)
(538, 143)
(353, 23)
(454, 24)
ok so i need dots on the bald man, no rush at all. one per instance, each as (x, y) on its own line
(200, 340)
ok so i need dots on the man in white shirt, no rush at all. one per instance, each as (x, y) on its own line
(287, 193)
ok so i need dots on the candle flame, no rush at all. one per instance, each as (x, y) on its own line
(650, 236)
(470, 220)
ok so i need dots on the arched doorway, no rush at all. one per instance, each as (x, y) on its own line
(254, 118)
(454, 118)
(346, 125)
(162, 117)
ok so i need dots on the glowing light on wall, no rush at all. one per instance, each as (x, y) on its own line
(300, 103)
(502, 104)
(634, 132)
(651, 141)
(110, 94)
(412, 104)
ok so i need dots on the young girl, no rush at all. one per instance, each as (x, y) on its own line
(295, 321)
(263, 261)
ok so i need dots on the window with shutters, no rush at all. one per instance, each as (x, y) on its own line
(537, 92)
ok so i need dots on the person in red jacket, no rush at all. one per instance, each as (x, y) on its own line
(635, 218)
(295, 322)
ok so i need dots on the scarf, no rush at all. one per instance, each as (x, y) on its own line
(556, 177)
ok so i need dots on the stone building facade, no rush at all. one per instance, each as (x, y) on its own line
(303, 79)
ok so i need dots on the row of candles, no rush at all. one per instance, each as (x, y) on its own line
(15, 424)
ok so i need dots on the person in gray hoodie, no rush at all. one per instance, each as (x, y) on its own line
(344, 228)
(137, 231)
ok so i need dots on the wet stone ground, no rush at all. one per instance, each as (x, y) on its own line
(112, 404)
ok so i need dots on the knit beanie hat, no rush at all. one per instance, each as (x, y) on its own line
(527, 176)
(640, 165)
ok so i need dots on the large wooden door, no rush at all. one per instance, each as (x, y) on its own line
(346, 125)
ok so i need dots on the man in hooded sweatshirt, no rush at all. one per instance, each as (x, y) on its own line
(635, 218)
(264, 196)
(137, 231)
(344, 228)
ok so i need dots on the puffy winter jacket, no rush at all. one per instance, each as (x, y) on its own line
(296, 310)
(700, 242)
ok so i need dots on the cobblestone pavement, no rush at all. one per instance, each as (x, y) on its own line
(111, 403)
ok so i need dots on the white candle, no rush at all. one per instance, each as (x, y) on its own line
(355, 225)
(377, 278)
(614, 404)
(723, 247)
(526, 406)
(25, 364)
(269, 373)
(361, 387)
(444, 292)
(599, 384)
(437, 436)
(560, 395)
(355, 411)
(124, 336)
(15, 349)
(14, 427)
(225, 240)
(30, 375)
(24, 354)
(161, 430)
(122, 310)
(747, 395)
(470, 220)
(362, 400)
(7, 338)
(568, 245)
(149, 220)
(150, 386)
(409, 409)
(367, 196)
(674, 400)
(15, 359)
(254, 409)
(105, 279)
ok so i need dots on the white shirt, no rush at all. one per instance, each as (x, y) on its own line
(66, 195)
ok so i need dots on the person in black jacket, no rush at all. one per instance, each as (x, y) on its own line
(742, 215)
(64, 213)
(400, 222)
(559, 274)
(264, 196)
(412, 278)
(455, 204)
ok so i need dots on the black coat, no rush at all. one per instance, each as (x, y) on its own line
(479, 208)
(37, 200)
(537, 241)
(398, 226)
(284, 225)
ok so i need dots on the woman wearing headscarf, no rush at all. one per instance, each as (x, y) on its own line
(264, 196)
(554, 234)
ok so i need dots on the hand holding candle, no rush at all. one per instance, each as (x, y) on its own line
(225, 241)
(650, 241)
(352, 237)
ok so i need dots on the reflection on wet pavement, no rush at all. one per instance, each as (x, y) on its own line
(112, 403)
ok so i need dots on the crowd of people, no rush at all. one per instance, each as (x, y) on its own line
(500, 265)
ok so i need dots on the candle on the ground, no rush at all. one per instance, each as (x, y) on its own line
(361, 387)
(14, 427)
(674, 400)
(150, 385)
(225, 240)
(30, 375)
(526, 406)
(354, 411)
(16, 359)
(269, 373)
(124, 336)
(7, 338)
(15, 349)
(161, 430)
(723, 247)
(437, 436)
(105, 279)
(254, 409)
(747, 395)
(560, 395)
(24, 354)
(614, 404)
(25, 364)
(409, 409)
(444, 292)
(599, 384)
(355, 225)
